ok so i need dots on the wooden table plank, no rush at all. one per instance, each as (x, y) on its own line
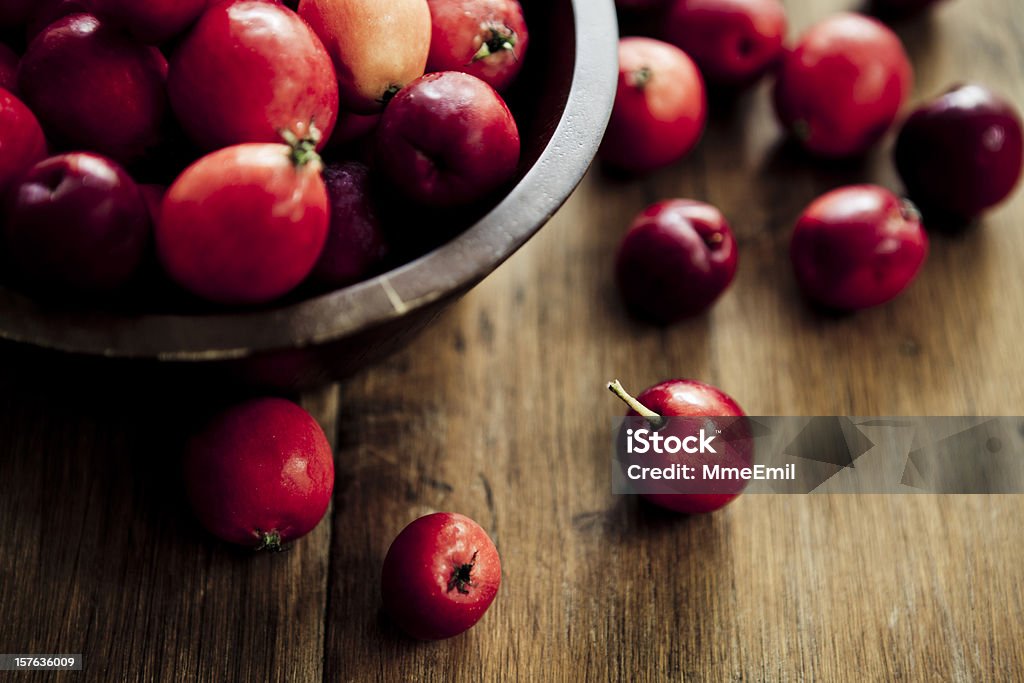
(508, 390)
(499, 412)
(104, 559)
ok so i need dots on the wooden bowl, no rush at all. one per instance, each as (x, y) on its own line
(562, 102)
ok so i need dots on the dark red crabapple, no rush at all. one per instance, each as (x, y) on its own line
(448, 139)
(660, 107)
(440, 575)
(245, 224)
(355, 246)
(840, 89)
(690, 398)
(8, 69)
(857, 246)
(261, 474)
(95, 88)
(76, 223)
(151, 21)
(485, 38)
(249, 70)
(734, 42)
(678, 257)
(22, 144)
(961, 153)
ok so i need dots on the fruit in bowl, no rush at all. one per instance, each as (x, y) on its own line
(250, 239)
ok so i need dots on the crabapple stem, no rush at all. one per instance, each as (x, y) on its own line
(640, 78)
(303, 150)
(500, 40)
(269, 540)
(657, 421)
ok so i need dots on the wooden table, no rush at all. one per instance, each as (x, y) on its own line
(500, 412)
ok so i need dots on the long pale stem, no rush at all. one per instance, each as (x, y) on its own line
(657, 421)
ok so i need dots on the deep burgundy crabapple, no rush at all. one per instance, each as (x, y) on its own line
(961, 153)
(356, 245)
(77, 223)
(857, 246)
(22, 144)
(95, 88)
(448, 139)
(676, 259)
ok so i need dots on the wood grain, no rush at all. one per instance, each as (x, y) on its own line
(499, 412)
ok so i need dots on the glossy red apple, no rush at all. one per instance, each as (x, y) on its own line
(76, 223)
(678, 257)
(660, 107)
(245, 224)
(961, 153)
(260, 474)
(151, 21)
(22, 144)
(857, 246)
(734, 42)
(378, 46)
(447, 140)
(49, 11)
(840, 89)
(95, 88)
(440, 575)
(485, 38)
(249, 70)
(686, 398)
(356, 246)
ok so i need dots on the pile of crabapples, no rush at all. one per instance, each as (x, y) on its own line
(838, 89)
(241, 148)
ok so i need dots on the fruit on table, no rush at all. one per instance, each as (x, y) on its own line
(961, 153)
(840, 89)
(690, 398)
(440, 575)
(378, 46)
(356, 245)
(678, 257)
(448, 139)
(734, 42)
(245, 224)
(260, 474)
(8, 69)
(76, 223)
(485, 38)
(660, 107)
(857, 246)
(249, 70)
(22, 144)
(95, 88)
(151, 21)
